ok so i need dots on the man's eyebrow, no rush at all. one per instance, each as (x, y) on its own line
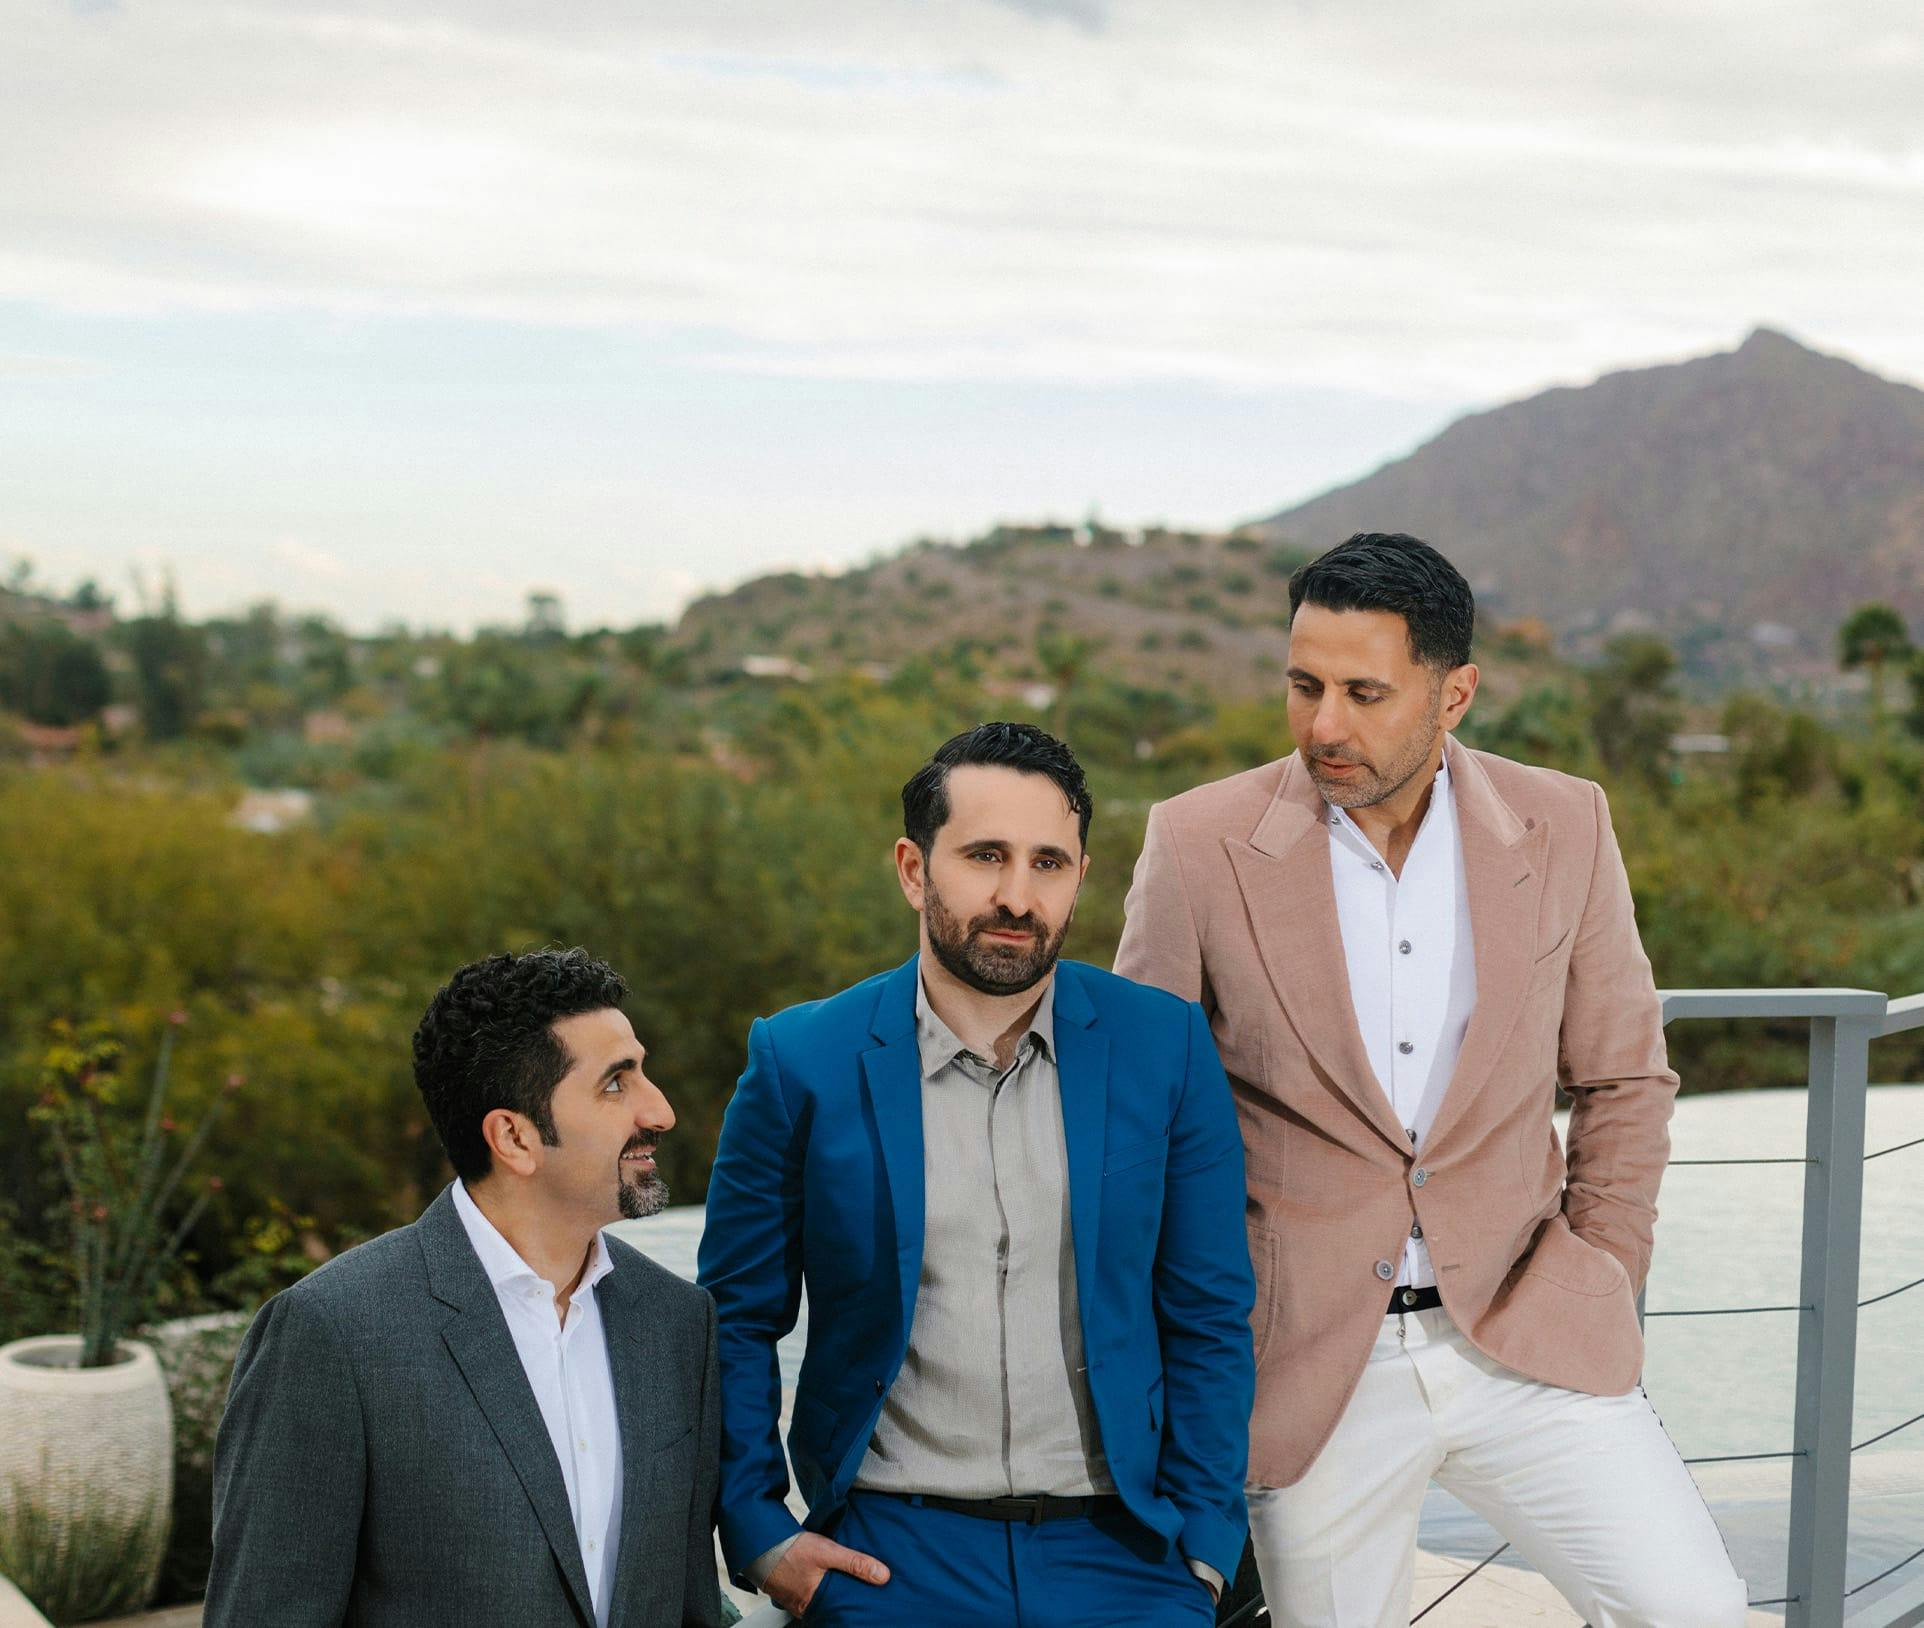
(621, 1065)
(1049, 849)
(1347, 683)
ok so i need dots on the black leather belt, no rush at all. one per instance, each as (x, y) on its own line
(1414, 1300)
(1032, 1511)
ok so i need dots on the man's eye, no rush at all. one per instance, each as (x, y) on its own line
(1049, 864)
(1364, 700)
(617, 1085)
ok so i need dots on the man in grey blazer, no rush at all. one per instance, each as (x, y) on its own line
(497, 1417)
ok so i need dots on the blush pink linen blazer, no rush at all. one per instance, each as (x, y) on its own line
(1539, 1253)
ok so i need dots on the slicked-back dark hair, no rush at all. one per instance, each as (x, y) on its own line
(487, 1041)
(1393, 571)
(1023, 747)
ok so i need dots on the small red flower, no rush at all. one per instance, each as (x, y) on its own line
(215, 1184)
(167, 1125)
(235, 1082)
(177, 1017)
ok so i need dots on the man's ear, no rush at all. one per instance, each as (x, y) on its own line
(1459, 690)
(513, 1140)
(911, 870)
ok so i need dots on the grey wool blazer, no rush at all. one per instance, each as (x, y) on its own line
(383, 1464)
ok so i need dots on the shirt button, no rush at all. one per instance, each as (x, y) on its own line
(1418, 1176)
(1376, 864)
(582, 1443)
(1416, 1229)
(1403, 948)
(1405, 1047)
(591, 1546)
(1385, 1271)
(879, 1387)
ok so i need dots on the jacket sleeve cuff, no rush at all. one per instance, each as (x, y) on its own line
(748, 1534)
(1209, 1575)
(757, 1570)
(1212, 1538)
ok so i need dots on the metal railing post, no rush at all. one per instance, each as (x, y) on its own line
(1827, 1330)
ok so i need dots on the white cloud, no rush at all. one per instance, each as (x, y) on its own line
(1456, 200)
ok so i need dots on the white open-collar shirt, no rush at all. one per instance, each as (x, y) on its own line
(567, 1368)
(1412, 968)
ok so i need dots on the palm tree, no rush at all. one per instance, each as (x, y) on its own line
(1872, 635)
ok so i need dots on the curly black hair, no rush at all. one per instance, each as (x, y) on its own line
(486, 1041)
(1023, 747)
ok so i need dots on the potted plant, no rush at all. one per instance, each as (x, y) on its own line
(86, 1432)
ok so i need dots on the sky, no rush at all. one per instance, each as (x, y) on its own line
(400, 312)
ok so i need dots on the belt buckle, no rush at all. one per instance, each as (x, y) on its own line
(1034, 1501)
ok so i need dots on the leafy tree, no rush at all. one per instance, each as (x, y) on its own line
(1779, 754)
(1634, 709)
(1544, 725)
(1871, 636)
(50, 675)
(1064, 658)
(170, 672)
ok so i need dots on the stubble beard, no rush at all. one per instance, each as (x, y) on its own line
(1372, 785)
(640, 1199)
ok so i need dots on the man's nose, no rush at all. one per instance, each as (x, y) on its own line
(1012, 889)
(1328, 727)
(652, 1112)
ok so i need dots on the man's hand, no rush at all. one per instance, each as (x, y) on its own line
(793, 1582)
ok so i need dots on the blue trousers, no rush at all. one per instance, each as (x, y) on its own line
(959, 1571)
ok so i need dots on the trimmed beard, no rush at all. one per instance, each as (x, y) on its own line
(637, 1200)
(991, 969)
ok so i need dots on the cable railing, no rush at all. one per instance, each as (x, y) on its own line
(1843, 1023)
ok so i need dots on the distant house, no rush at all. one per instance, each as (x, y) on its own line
(46, 743)
(327, 729)
(271, 812)
(776, 667)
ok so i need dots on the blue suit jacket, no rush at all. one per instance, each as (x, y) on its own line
(818, 1180)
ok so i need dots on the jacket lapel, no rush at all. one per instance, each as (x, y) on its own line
(1503, 865)
(1284, 873)
(478, 1340)
(1082, 1072)
(624, 1328)
(892, 1076)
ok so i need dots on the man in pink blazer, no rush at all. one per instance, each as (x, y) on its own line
(1402, 946)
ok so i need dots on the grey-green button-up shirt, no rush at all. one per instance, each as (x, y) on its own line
(993, 1397)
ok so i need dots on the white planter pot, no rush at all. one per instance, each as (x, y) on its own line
(86, 1475)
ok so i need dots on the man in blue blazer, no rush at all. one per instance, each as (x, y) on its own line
(1013, 1189)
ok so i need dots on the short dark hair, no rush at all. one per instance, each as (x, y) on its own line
(1393, 571)
(486, 1041)
(1023, 747)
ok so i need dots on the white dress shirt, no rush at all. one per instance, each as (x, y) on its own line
(1412, 968)
(567, 1368)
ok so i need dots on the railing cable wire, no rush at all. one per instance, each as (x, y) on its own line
(1873, 1440)
(1915, 1142)
(1868, 1581)
(1457, 1585)
(1902, 1288)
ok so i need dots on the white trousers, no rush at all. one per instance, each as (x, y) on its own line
(1588, 1489)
